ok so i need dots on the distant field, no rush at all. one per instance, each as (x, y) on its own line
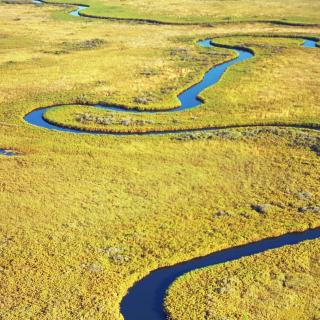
(201, 11)
(82, 218)
(280, 284)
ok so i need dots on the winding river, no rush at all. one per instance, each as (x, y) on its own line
(188, 99)
(144, 301)
(74, 13)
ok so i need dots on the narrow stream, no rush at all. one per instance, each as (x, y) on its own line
(188, 99)
(144, 300)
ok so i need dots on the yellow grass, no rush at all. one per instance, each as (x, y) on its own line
(204, 11)
(67, 199)
(265, 90)
(280, 284)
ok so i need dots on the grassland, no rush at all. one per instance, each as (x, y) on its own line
(84, 217)
(265, 90)
(279, 284)
(81, 221)
(202, 11)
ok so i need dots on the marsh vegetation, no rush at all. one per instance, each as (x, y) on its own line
(84, 217)
(280, 284)
(201, 11)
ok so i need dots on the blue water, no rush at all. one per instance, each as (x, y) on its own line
(7, 153)
(310, 43)
(144, 300)
(188, 99)
(74, 13)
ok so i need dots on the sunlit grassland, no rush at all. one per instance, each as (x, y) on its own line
(132, 63)
(70, 199)
(189, 11)
(84, 217)
(280, 284)
(279, 85)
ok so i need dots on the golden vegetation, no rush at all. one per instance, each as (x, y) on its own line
(81, 221)
(280, 284)
(201, 11)
(83, 217)
(264, 90)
